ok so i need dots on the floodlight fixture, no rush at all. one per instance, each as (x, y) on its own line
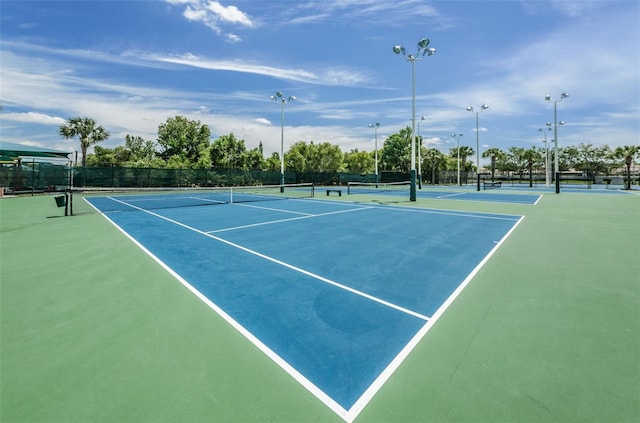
(423, 50)
(555, 126)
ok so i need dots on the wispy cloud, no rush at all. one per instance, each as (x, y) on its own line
(393, 12)
(329, 76)
(33, 117)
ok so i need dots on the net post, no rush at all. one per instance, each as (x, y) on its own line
(478, 181)
(66, 202)
(557, 182)
(412, 186)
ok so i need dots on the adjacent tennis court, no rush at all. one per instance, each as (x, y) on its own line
(340, 312)
(401, 189)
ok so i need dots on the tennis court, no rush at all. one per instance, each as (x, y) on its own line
(334, 313)
(466, 193)
(321, 309)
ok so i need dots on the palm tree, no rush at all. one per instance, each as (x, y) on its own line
(627, 153)
(532, 157)
(465, 151)
(495, 154)
(85, 128)
(434, 158)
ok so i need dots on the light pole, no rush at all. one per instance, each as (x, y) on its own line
(472, 110)
(375, 127)
(457, 136)
(555, 151)
(546, 161)
(555, 128)
(420, 154)
(422, 50)
(278, 97)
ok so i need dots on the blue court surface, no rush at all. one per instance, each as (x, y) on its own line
(336, 293)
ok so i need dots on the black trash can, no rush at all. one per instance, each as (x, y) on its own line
(61, 200)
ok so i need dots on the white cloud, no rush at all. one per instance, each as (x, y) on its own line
(394, 12)
(33, 117)
(328, 76)
(233, 38)
(227, 14)
(214, 15)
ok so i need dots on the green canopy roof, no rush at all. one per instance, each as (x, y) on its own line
(11, 151)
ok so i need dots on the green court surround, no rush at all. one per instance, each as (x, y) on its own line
(93, 330)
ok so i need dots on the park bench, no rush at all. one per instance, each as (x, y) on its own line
(496, 184)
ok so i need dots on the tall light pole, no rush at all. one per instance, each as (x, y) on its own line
(477, 112)
(422, 50)
(375, 127)
(555, 128)
(420, 154)
(546, 161)
(278, 97)
(457, 136)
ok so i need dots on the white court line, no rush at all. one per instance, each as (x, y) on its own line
(451, 195)
(307, 216)
(476, 215)
(347, 415)
(364, 399)
(271, 208)
(292, 371)
(287, 265)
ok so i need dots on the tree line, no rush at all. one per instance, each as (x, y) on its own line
(185, 144)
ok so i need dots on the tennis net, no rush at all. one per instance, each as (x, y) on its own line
(130, 199)
(376, 187)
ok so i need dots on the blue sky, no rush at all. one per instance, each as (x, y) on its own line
(130, 65)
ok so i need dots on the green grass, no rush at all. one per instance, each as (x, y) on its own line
(93, 330)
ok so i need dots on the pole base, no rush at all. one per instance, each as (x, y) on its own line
(412, 186)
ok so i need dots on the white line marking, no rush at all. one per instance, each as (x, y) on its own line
(475, 215)
(270, 208)
(306, 383)
(451, 195)
(287, 265)
(307, 216)
(364, 399)
(233, 228)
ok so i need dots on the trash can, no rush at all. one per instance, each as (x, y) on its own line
(61, 200)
